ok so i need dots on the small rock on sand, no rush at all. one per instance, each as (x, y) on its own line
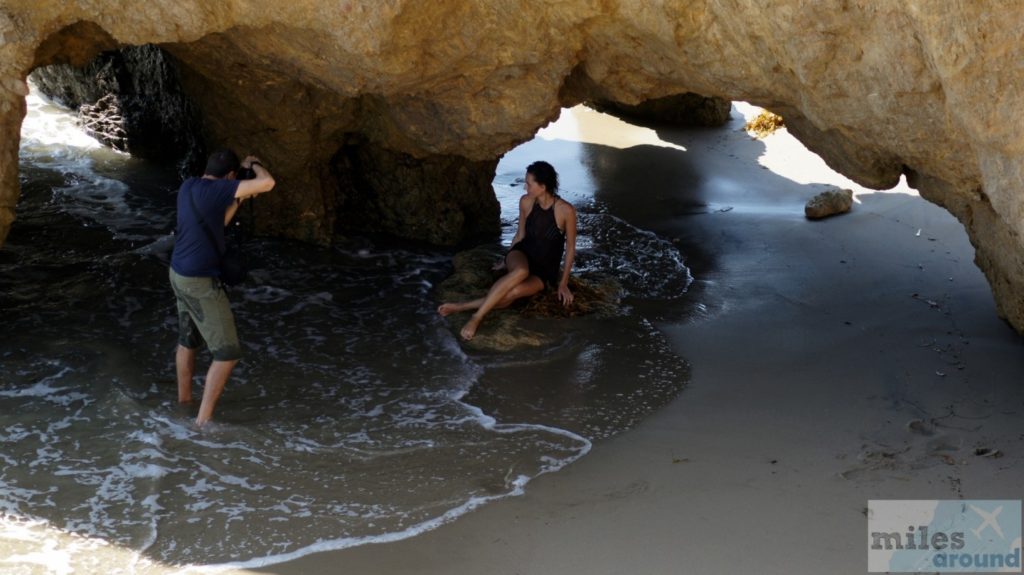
(829, 203)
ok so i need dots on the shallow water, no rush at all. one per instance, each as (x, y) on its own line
(355, 415)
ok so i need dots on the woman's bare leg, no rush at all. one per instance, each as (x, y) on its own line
(447, 309)
(527, 288)
(518, 272)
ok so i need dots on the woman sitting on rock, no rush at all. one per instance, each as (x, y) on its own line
(547, 225)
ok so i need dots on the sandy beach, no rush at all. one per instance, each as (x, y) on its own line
(833, 362)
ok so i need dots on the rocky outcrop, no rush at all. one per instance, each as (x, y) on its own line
(440, 199)
(131, 100)
(517, 327)
(687, 110)
(878, 89)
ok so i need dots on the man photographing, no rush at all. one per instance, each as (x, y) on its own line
(206, 206)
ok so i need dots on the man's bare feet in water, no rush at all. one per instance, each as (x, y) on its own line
(469, 330)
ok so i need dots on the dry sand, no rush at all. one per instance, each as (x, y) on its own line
(833, 362)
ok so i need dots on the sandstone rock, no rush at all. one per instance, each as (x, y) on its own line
(878, 89)
(765, 124)
(595, 296)
(828, 203)
(441, 199)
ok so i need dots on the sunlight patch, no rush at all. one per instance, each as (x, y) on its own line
(581, 124)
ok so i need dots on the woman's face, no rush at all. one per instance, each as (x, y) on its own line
(533, 189)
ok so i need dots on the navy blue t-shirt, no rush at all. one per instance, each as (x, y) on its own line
(194, 255)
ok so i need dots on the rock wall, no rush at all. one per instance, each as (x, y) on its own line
(688, 110)
(130, 99)
(438, 199)
(926, 88)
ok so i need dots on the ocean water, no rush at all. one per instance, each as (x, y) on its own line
(355, 417)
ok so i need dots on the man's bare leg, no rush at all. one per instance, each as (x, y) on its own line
(185, 364)
(216, 379)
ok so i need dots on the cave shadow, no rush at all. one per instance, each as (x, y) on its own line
(686, 195)
(698, 197)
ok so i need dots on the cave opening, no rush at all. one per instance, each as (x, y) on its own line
(357, 401)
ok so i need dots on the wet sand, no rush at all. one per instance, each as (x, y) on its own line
(832, 362)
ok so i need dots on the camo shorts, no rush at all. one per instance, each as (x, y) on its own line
(204, 314)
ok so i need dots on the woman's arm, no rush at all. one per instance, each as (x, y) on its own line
(525, 205)
(564, 295)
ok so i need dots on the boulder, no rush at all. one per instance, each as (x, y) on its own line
(828, 203)
(595, 296)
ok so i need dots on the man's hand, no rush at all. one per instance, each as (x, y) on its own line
(263, 182)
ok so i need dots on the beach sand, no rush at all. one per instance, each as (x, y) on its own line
(833, 362)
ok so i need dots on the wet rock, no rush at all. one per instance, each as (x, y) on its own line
(525, 324)
(105, 122)
(829, 203)
(131, 100)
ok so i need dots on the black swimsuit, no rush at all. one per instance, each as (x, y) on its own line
(543, 244)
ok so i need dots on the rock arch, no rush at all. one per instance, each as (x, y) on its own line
(922, 88)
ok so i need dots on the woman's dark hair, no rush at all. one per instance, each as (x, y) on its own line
(545, 175)
(222, 162)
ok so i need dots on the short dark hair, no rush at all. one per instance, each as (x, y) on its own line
(221, 163)
(544, 174)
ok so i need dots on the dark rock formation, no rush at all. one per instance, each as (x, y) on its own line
(595, 296)
(692, 110)
(131, 100)
(440, 199)
(104, 120)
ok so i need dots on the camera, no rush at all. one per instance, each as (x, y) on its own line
(243, 173)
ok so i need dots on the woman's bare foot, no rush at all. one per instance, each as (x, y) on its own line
(447, 309)
(469, 330)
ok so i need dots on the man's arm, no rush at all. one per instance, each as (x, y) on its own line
(263, 182)
(230, 213)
